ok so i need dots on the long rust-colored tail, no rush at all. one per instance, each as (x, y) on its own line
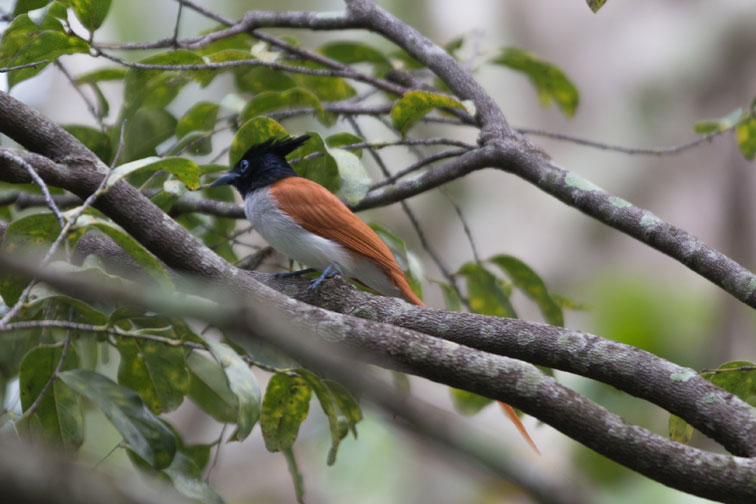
(518, 424)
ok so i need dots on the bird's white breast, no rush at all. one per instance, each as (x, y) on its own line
(286, 236)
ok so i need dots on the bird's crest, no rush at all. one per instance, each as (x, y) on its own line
(275, 146)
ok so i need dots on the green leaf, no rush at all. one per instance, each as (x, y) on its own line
(132, 247)
(186, 477)
(158, 88)
(403, 256)
(94, 140)
(199, 120)
(209, 389)
(595, 5)
(145, 434)
(528, 281)
(338, 429)
(41, 293)
(550, 82)
(59, 418)
(296, 476)
(722, 124)
(286, 404)
(486, 295)
(351, 52)
(26, 237)
(414, 105)
(242, 383)
(451, 298)
(91, 13)
(325, 88)
(183, 169)
(258, 79)
(157, 372)
(255, 131)
(269, 101)
(322, 169)
(746, 136)
(569, 304)
(354, 181)
(26, 42)
(102, 74)
(54, 9)
(346, 403)
(145, 130)
(740, 383)
(342, 139)
(23, 6)
(680, 430)
(468, 403)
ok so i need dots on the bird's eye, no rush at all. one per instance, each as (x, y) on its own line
(244, 165)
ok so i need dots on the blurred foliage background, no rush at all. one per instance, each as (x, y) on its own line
(646, 71)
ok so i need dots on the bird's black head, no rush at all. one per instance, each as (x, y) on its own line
(262, 165)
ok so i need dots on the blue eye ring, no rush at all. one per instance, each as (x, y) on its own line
(244, 164)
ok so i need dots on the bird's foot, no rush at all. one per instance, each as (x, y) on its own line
(298, 273)
(329, 272)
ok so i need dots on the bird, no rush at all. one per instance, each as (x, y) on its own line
(306, 222)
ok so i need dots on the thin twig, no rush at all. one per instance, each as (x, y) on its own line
(20, 67)
(416, 166)
(38, 180)
(216, 455)
(90, 106)
(727, 370)
(652, 151)
(462, 219)
(107, 455)
(176, 26)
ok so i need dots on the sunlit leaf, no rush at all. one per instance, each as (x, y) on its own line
(723, 123)
(746, 136)
(414, 105)
(528, 281)
(269, 101)
(550, 82)
(595, 5)
(680, 430)
(143, 431)
(91, 13)
(286, 404)
(255, 131)
(740, 383)
(59, 418)
(183, 169)
(26, 42)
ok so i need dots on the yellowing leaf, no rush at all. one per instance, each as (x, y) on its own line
(414, 105)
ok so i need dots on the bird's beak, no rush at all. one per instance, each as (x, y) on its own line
(226, 179)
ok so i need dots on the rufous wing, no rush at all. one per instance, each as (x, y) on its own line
(314, 208)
